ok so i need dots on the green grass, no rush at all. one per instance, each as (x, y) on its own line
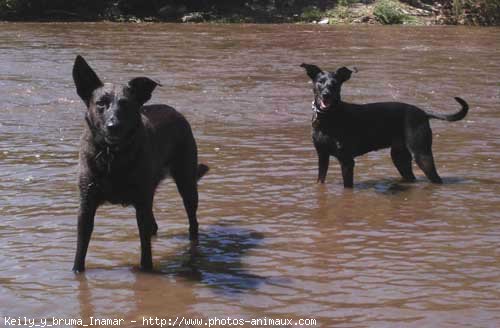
(311, 14)
(481, 12)
(390, 12)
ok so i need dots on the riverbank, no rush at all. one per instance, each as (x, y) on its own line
(412, 12)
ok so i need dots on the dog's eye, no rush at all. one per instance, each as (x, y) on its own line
(100, 109)
(101, 105)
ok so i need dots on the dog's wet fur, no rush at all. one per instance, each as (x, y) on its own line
(346, 130)
(126, 150)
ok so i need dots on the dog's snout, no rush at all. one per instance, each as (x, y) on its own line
(112, 125)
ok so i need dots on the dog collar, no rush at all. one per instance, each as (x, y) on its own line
(107, 156)
(317, 113)
(107, 153)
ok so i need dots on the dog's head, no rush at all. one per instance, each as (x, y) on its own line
(327, 85)
(113, 111)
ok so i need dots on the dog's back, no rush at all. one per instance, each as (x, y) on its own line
(169, 133)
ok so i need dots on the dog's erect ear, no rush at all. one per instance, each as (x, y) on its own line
(86, 80)
(141, 88)
(312, 70)
(343, 74)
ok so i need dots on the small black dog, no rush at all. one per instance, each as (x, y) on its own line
(126, 150)
(346, 130)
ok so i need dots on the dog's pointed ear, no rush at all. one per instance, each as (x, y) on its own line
(311, 70)
(86, 80)
(142, 88)
(343, 74)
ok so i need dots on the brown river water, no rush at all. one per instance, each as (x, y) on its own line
(273, 244)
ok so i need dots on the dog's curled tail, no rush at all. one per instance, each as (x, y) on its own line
(202, 170)
(453, 117)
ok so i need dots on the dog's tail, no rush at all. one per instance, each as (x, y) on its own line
(452, 117)
(202, 170)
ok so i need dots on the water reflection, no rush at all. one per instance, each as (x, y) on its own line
(218, 261)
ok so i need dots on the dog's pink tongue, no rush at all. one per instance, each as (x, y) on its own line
(322, 104)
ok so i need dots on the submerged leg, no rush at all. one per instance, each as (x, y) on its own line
(86, 214)
(347, 166)
(420, 143)
(323, 162)
(145, 219)
(401, 157)
(426, 163)
(185, 178)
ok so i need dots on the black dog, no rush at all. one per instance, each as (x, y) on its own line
(126, 150)
(346, 130)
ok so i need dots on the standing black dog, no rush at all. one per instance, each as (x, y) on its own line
(126, 150)
(345, 130)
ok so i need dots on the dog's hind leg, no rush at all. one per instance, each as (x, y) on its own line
(401, 157)
(154, 227)
(347, 166)
(420, 143)
(426, 163)
(185, 176)
(201, 171)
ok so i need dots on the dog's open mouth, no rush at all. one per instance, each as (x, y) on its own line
(324, 104)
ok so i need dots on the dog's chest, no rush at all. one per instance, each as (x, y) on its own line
(120, 180)
(119, 189)
(327, 139)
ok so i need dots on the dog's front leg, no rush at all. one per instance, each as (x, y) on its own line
(347, 165)
(323, 162)
(86, 214)
(145, 219)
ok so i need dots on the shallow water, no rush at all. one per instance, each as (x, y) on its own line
(273, 243)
